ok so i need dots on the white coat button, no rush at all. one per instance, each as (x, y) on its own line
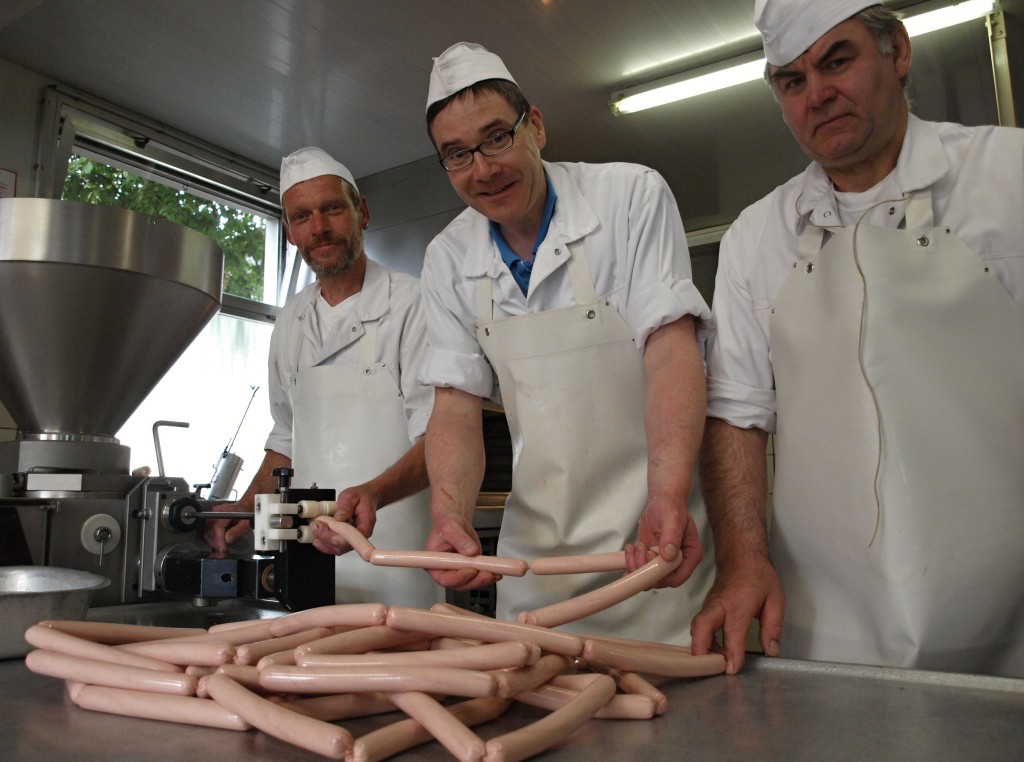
(810, 267)
(922, 241)
(558, 252)
(591, 314)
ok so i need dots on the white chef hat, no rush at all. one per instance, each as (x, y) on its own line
(462, 65)
(789, 27)
(307, 163)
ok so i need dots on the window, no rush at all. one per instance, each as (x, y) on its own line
(99, 155)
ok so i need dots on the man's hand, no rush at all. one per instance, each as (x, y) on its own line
(741, 593)
(665, 529)
(356, 506)
(220, 533)
(454, 533)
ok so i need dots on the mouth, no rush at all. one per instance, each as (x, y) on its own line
(830, 122)
(496, 191)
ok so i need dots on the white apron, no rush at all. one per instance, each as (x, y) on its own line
(899, 494)
(573, 388)
(348, 426)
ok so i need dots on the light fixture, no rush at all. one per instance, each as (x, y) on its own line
(750, 67)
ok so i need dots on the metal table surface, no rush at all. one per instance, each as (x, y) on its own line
(777, 709)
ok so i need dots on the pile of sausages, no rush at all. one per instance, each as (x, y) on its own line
(296, 676)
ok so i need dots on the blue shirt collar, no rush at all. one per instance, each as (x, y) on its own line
(520, 268)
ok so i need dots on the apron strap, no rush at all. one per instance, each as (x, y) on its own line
(919, 215)
(583, 289)
(368, 343)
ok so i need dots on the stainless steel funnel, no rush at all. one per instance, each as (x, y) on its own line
(96, 304)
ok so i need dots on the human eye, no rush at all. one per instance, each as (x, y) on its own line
(499, 139)
(458, 155)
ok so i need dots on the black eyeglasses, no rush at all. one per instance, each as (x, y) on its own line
(497, 143)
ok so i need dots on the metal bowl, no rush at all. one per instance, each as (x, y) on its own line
(30, 594)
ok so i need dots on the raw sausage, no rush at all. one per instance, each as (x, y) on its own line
(514, 681)
(619, 707)
(490, 656)
(604, 597)
(604, 654)
(597, 562)
(152, 706)
(462, 742)
(491, 630)
(356, 539)
(359, 641)
(112, 675)
(399, 736)
(431, 559)
(309, 733)
(454, 682)
(546, 732)
(339, 614)
(112, 633)
(199, 653)
(50, 639)
(250, 653)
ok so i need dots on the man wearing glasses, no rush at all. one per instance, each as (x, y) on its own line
(563, 293)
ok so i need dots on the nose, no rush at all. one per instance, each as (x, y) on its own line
(484, 167)
(317, 223)
(819, 89)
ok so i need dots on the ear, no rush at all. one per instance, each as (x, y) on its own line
(901, 51)
(535, 119)
(364, 213)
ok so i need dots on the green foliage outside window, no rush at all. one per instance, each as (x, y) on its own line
(241, 235)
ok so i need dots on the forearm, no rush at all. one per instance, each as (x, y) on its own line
(734, 478)
(674, 410)
(454, 453)
(264, 482)
(407, 476)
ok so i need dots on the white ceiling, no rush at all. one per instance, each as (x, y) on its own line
(263, 77)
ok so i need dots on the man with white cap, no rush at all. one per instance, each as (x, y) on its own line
(563, 292)
(348, 410)
(868, 312)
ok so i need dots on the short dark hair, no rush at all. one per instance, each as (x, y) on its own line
(506, 89)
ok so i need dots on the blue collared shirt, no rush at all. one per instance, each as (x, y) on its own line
(521, 268)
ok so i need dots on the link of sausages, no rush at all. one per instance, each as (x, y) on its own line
(199, 653)
(604, 597)
(429, 559)
(251, 653)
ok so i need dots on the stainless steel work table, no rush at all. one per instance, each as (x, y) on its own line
(777, 709)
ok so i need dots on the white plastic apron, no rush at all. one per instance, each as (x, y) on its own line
(348, 426)
(899, 494)
(573, 388)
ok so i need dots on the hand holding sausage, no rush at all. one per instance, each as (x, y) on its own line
(667, 526)
(454, 533)
(741, 592)
(356, 506)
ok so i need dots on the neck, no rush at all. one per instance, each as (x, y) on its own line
(866, 174)
(338, 287)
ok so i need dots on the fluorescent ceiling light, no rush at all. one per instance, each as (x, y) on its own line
(751, 67)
